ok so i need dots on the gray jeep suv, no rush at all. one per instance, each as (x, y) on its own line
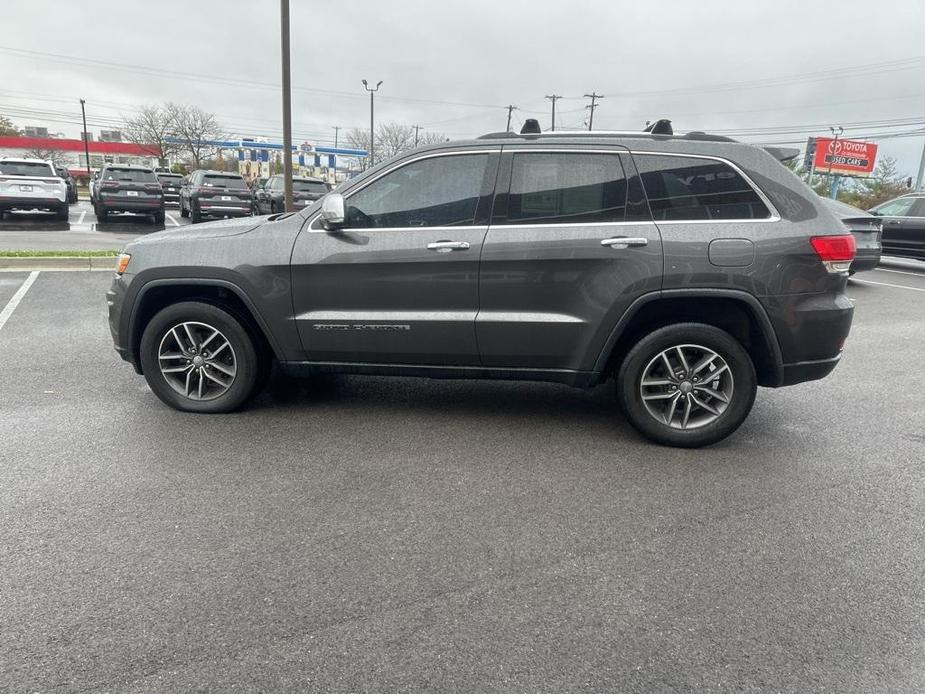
(691, 268)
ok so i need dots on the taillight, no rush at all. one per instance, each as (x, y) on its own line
(835, 252)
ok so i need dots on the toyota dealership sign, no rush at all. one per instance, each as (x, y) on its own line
(845, 157)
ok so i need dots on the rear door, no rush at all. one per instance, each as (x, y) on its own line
(570, 247)
(399, 284)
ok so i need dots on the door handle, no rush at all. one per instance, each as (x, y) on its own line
(624, 242)
(447, 246)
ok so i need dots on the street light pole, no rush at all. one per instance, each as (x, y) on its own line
(287, 104)
(918, 180)
(83, 113)
(372, 132)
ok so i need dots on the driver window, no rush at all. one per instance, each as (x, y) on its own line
(439, 191)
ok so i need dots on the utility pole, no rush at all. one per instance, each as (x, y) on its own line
(918, 180)
(336, 131)
(594, 96)
(510, 110)
(416, 129)
(833, 189)
(287, 104)
(553, 98)
(372, 125)
(83, 113)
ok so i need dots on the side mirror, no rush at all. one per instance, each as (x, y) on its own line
(332, 211)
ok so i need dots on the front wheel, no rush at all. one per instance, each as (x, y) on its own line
(687, 385)
(199, 358)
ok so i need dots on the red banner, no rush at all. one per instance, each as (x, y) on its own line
(847, 157)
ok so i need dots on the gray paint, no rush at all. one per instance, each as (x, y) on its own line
(542, 300)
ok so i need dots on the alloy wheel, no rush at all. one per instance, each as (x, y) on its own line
(686, 386)
(197, 360)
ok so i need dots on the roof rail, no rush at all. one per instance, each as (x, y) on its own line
(693, 135)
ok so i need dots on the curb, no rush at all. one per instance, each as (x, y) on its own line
(28, 264)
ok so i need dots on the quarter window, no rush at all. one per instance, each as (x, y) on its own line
(682, 188)
(553, 187)
(435, 192)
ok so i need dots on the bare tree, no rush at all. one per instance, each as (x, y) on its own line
(151, 130)
(194, 127)
(391, 139)
(55, 156)
(7, 127)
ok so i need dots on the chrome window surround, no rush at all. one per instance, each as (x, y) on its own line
(317, 218)
(616, 149)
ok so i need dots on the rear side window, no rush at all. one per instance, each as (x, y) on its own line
(25, 168)
(223, 181)
(561, 188)
(689, 189)
(133, 175)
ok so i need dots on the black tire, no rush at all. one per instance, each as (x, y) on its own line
(102, 215)
(249, 362)
(194, 213)
(183, 211)
(61, 214)
(159, 217)
(630, 373)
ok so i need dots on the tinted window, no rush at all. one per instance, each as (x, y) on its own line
(441, 191)
(681, 188)
(223, 181)
(900, 207)
(550, 187)
(170, 178)
(309, 186)
(134, 175)
(25, 168)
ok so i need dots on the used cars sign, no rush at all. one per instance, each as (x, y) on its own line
(847, 157)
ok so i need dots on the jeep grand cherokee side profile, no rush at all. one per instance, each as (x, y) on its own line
(688, 268)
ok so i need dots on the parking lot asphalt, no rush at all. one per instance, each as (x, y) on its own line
(376, 534)
(82, 231)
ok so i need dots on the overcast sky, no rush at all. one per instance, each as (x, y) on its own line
(453, 66)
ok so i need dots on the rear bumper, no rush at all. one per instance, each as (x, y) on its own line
(865, 259)
(26, 203)
(110, 205)
(803, 371)
(209, 210)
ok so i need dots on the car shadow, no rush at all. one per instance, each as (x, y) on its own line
(130, 224)
(32, 221)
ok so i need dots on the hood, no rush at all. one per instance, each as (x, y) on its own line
(217, 229)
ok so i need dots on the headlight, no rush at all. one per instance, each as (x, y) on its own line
(122, 265)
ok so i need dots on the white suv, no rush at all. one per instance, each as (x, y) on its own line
(29, 184)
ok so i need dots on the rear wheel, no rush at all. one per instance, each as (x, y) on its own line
(159, 217)
(61, 214)
(200, 358)
(195, 214)
(687, 385)
(101, 214)
(183, 211)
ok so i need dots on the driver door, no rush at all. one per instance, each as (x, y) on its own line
(399, 283)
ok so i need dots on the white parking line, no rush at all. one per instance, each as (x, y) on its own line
(901, 272)
(17, 297)
(886, 284)
(172, 220)
(80, 220)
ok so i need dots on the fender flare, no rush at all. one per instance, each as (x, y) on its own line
(754, 306)
(138, 300)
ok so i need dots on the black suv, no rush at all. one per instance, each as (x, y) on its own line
(65, 175)
(125, 188)
(215, 194)
(690, 268)
(270, 198)
(170, 184)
